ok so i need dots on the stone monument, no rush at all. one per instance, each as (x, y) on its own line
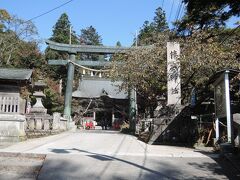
(173, 73)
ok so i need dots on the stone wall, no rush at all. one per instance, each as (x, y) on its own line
(41, 125)
(12, 106)
(16, 126)
(12, 128)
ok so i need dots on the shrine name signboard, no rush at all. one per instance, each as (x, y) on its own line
(173, 73)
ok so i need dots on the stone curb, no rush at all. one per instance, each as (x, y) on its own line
(23, 155)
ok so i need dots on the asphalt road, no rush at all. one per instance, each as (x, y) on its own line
(111, 155)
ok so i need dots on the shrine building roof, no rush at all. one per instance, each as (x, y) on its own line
(98, 87)
(15, 74)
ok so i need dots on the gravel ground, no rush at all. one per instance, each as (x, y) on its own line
(15, 166)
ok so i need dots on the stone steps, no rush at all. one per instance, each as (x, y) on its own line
(144, 136)
(157, 133)
(161, 124)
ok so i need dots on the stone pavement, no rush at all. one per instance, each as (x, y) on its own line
(110, 155)
(99, 142)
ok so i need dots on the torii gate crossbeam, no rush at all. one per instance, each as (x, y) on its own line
(85, 48)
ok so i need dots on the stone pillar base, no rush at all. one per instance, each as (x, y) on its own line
(63, 124)
(56, 121)
(31, 124)
(72, 127)
(46, 125)
(12, 128)
(38, 122)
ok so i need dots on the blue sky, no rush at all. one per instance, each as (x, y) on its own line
(114, 20)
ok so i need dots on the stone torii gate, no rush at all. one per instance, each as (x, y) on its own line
(72, 50)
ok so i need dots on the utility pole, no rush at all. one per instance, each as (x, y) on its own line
(135, 89)
(70, 35)
(133, 99)
(136, 37)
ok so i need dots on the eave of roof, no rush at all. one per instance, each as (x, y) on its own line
(232, 73)
(15, 74)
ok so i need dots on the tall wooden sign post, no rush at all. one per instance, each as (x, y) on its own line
(72, 50)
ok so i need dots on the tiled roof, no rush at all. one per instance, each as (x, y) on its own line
(95, 88)
(15, 74)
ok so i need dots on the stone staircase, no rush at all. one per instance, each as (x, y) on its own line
(162, 123)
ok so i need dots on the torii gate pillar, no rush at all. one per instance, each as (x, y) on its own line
(68, 92)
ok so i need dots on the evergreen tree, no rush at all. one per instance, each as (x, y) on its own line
(61, 34)
(89, 36)
(145, 34)
(202, 15)
(118, 44)
(61, 31)
(159, 21)
(149, 31)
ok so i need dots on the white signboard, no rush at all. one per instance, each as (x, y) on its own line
(173, 73)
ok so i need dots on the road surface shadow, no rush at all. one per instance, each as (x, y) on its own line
(227, 167)
(103, 157)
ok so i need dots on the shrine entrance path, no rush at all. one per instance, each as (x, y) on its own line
(103, 154)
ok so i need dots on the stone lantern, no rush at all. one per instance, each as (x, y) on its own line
(39, 119)
(38, 106)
